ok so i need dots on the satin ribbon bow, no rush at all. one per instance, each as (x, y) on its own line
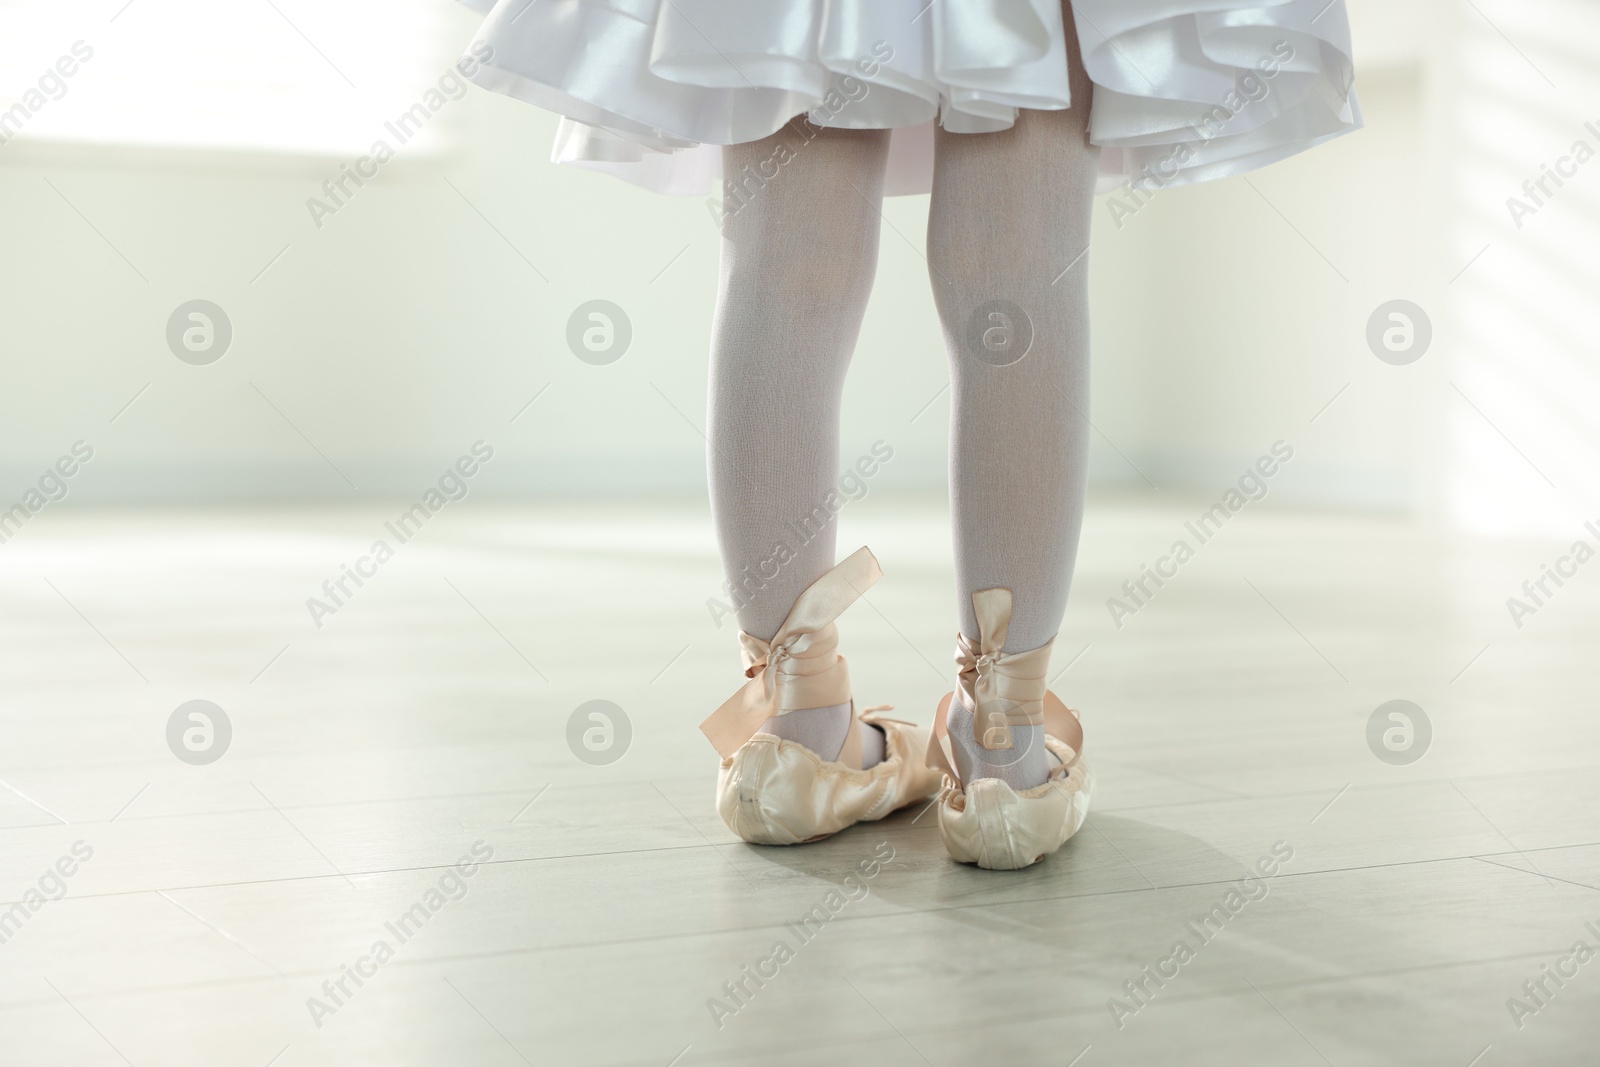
(800, 666)
(1000, 690)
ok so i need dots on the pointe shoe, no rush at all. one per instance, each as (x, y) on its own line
(771, 791)
(985, 821)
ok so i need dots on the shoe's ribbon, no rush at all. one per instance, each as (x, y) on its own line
(1060, 724)
(1001, 690)
(800, 667)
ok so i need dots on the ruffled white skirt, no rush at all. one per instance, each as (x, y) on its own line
(1184, 90)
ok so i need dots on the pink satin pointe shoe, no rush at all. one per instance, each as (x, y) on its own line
(771, 791)
(985, 821)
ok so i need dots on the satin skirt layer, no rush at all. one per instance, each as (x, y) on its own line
(1184, 90)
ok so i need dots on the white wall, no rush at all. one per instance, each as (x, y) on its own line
(409, 325)
(1524, 319)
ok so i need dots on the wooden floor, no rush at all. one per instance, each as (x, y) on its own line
(426, 723)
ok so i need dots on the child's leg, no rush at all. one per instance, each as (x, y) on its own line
(799, 250)
(1007, 231)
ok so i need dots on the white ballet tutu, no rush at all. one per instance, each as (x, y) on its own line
(1184, 90)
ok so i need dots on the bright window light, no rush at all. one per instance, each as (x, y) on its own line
(318, 77)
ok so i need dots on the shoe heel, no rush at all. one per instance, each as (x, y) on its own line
(763, 792)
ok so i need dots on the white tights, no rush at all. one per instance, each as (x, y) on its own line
(1008, 228)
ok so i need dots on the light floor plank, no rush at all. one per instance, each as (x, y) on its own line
(430, 713)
